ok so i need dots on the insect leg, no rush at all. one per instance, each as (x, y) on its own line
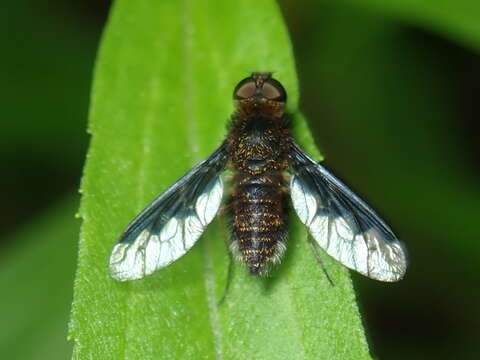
(319, 259)
(228, 280)
(223, 228)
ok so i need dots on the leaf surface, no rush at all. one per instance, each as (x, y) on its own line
(457, 21)
(161, 102)
(36, 276)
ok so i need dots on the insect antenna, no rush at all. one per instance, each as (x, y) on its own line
(319, 259)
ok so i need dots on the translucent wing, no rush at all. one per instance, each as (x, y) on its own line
(168, 227)
(343, 224)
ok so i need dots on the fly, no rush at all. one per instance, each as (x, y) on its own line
(261, 152)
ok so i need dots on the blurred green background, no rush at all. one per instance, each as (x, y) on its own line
(391, 93)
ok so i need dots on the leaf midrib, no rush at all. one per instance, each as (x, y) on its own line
(193, 141)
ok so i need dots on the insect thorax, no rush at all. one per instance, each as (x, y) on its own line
(258, 144)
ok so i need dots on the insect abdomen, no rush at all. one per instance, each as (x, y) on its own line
(259, 223)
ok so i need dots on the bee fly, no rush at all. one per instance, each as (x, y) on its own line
(260, 150)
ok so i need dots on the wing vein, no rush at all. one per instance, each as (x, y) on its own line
(343, 224)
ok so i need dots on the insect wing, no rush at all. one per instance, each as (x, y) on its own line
(168, 227)
(342, 223)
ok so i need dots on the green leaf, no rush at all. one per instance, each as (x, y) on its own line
(457, 20)
(36, 277)
(161, 102)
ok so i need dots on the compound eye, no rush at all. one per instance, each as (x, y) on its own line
(273, 90)
(245, 89)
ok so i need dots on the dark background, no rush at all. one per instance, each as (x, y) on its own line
(393, 106)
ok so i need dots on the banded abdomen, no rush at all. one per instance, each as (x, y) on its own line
(259, 219)
(258, 202)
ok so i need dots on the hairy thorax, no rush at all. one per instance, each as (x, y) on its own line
(258, 144)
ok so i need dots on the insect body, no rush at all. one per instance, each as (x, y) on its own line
(260, 150)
